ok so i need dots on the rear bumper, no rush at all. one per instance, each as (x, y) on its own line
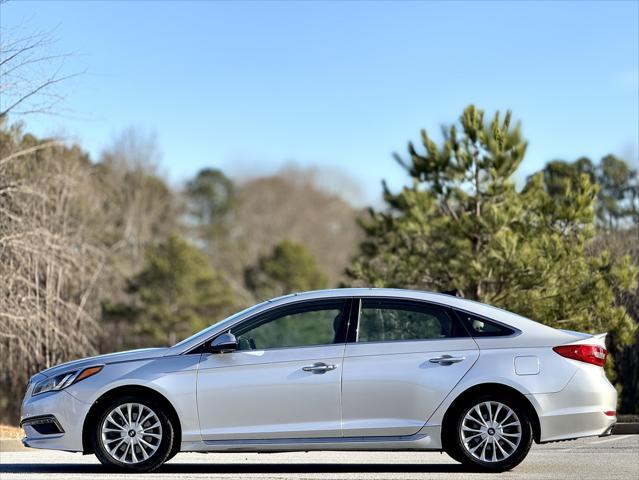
(577, 410)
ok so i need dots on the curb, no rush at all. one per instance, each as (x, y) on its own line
(625, 429)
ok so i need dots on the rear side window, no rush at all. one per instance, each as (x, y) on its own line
(395, 320)
(480, 327)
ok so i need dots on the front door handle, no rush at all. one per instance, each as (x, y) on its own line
(319, 368)
(447, 360)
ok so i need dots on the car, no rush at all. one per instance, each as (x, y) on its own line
(343, 369)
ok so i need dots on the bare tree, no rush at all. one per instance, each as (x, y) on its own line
(30, 72)
(48, 264)
(137, 211)
(49, 267)
(295, 204)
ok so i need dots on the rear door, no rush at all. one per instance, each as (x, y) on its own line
(402, 360)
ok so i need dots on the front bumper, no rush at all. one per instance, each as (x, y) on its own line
(69, 414)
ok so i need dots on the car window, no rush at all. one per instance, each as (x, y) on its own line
(313, 323)
(393, 320)
(481, 327)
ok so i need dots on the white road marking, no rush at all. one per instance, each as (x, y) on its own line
(589, 444)
(616, 437)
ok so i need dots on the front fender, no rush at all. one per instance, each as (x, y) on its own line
(172, 377)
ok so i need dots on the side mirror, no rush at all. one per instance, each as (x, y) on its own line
(225, 343)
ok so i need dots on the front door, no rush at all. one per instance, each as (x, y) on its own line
(404, 358)
(284, 381)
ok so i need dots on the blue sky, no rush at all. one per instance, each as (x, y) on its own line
(248, 87)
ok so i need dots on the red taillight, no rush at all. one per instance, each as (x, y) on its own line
(610, 413)
(593, 354)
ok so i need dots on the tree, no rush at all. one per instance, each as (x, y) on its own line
(618, 195)
(462, 224)
(300, 204)
(210, 196)
(177, 293)
(288, 268)
(138, 207)
(30, 73)
(559, 175)
(211, 201)
(49, 264)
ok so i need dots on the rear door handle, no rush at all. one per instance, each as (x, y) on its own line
(447, 360)
(319, 367)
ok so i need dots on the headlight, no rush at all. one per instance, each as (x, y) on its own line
(63, 380)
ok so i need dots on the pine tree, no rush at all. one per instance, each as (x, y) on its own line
(178, 292)
(288, 268)
(462, 224)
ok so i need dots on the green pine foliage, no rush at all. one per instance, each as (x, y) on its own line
(617, 204)
(178, 292)
(288, 268)
(211, 197)
(462, 224)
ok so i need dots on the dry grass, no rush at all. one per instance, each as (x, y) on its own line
(11, 432)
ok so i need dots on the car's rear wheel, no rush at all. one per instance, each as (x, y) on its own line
(133, 435)
(490, 433)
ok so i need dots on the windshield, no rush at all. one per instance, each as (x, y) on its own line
(219, 324)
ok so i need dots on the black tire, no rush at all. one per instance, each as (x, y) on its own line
(450, 450)
(156, 459)
(454, 444)
(174, 451)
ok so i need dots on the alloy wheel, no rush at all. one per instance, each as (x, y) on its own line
(131, 433)
(491, 431)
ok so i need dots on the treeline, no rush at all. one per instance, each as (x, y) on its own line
(98, 255)
(102, 254)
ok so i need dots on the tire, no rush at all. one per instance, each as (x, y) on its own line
(174, 451)
(127, 445)
(489, 433)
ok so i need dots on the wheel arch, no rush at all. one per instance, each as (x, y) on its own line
(497, 389)
(138, 390)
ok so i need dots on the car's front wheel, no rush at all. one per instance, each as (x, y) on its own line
(490, 433)
(133, 435)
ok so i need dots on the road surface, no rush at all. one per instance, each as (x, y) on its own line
(615, 457)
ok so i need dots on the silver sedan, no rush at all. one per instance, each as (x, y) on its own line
(346, 369)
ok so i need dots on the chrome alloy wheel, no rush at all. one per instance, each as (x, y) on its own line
(131, 433)
(491, 431)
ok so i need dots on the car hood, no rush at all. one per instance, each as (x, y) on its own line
(128, 356)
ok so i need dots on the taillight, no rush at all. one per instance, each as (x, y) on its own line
(593, 354)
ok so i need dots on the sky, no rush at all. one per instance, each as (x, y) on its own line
(249, 87)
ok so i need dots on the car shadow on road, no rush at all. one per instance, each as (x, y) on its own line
(237, 468)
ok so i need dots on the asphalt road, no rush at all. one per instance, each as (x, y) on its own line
(615, 457)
